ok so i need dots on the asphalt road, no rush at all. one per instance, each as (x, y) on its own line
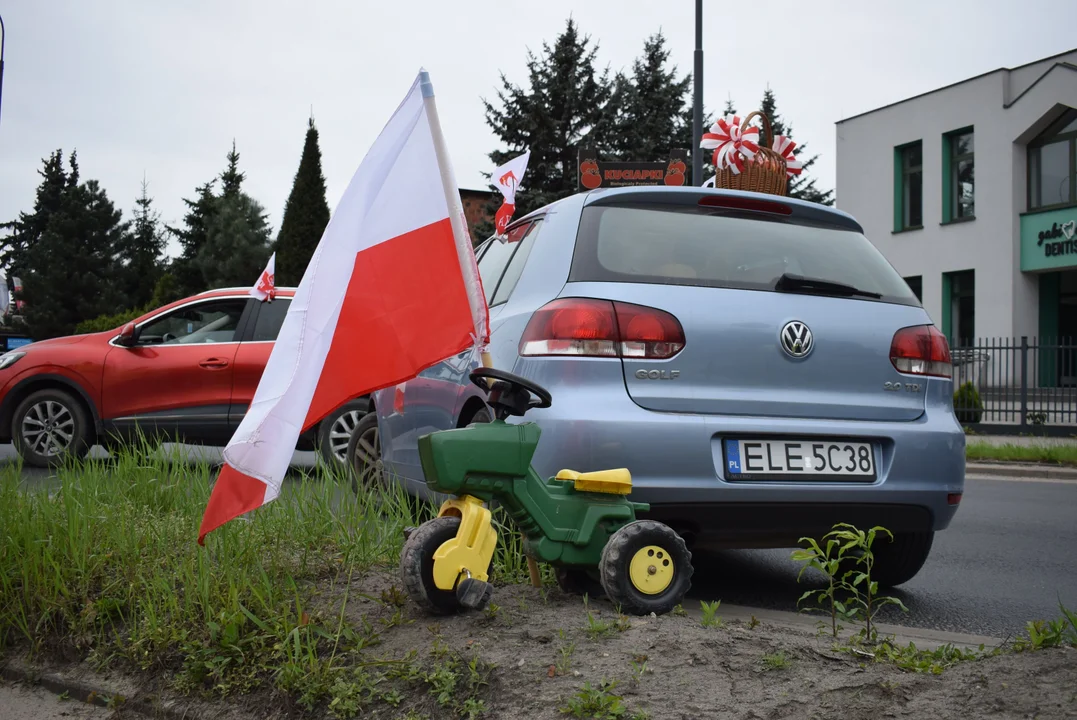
(1008, 557)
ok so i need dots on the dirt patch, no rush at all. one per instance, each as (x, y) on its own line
(544, 654)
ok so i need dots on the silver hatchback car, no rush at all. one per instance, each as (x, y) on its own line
(754, 361)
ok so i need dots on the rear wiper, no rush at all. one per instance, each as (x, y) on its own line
(797, 283)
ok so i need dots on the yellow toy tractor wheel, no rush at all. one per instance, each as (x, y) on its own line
(646, 567)
(417, 565)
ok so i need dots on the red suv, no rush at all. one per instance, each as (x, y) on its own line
(183, 373)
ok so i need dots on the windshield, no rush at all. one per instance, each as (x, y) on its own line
(674, 245)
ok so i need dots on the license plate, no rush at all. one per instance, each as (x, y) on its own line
(798, 460)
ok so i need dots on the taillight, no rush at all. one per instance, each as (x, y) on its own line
(586, 327)
(921, 350)
(398, 399)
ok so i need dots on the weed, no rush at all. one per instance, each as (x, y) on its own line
(679, 610)
(913, 659)
(596, 703)
(491, 611)
(455, 684)
(394, 597)
(1048, 634)
(397, 618)
(639, 668)
(566, 649)
(640, 715)
(596, 628)
(847, 554)
(753, 623)
(776, 661)
(889, 687)
(710, 613)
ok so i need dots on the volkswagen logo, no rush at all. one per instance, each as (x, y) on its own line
(796, 339)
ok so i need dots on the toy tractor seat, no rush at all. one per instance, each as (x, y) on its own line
(612, 482)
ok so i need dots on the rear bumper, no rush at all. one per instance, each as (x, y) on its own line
(677, 463)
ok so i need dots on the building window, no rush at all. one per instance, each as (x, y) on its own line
(958, 185)
(916, 284)
(1052, 165)
(909, 190)
(959, 307)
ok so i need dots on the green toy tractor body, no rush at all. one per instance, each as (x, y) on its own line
(559, 523)
(583, 524)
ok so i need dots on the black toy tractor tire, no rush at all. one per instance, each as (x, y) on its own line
(579, 581)
(660, 547)
(417, 566)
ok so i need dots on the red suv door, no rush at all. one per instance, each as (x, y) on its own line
(253, 354)
(178, 378)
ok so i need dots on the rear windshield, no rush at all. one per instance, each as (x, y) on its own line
(672, 245)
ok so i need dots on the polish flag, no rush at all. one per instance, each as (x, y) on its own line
(392, 289)
(507, 178)
(265, 289)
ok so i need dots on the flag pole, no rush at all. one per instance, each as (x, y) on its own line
(456, 219)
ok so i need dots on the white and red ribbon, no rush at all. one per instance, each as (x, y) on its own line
(784, 146)
(731, 144)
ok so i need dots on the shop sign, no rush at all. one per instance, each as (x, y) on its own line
(1049, 240)
(594, 173)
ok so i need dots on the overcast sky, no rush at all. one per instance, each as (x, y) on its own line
(160, 88)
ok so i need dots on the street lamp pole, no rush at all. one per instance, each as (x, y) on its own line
(2, 38)
(697, 105)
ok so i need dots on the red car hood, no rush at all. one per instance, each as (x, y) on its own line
(67, 340)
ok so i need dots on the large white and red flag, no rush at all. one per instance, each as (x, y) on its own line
(392, 289)
(265, 288)
(507, 178)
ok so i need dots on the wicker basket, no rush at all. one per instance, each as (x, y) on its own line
(766, 173)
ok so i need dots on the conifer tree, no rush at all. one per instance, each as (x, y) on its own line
(562, 107)
(649, 105)
(306, 214)
(800, 186)
(185, 272)
(64, 251)
(140, 253)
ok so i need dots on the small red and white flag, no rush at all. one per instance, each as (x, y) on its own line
(391, 290)
(265, 289)
(507, 178)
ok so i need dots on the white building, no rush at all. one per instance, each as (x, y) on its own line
(971, 192)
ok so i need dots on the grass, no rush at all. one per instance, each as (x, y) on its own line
(1053, 454)
(105, 568)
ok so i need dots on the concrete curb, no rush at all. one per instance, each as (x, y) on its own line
(19, 671)
(1022, 470)
(925, 638)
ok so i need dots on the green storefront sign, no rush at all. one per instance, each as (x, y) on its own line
(1049, 240)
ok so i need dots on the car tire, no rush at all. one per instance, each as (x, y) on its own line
(335, 431)
(899, 561)
(364, 454)
(65, 428)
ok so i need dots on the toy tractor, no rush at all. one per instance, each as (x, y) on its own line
(581, 523)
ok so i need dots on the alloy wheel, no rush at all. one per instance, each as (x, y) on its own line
(340, 432)
(48, 428)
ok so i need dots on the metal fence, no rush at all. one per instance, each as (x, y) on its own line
(1017, 385)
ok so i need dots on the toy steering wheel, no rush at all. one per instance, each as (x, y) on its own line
(510, 394)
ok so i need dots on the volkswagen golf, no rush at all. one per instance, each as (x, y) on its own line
(753, 360)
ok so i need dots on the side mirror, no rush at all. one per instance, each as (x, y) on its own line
(127, 337)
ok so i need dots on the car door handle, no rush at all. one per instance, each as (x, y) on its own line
(214, 363)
